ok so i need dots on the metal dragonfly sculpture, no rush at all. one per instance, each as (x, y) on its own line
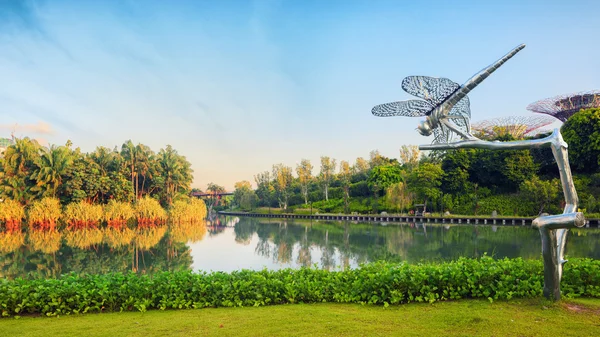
(445, 103)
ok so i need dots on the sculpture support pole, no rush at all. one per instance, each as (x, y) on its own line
(553, 228)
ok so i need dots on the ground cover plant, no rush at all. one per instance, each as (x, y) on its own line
(378, 283)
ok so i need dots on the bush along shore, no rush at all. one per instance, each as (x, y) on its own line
(377, 283)
(47, 214)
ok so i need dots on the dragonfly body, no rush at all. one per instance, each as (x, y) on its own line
(446, 105)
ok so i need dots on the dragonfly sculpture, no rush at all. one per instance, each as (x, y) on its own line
(445, 103)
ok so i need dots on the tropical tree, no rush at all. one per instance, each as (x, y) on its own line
(582, 132)
(425, 182)
(304, 171)
(383, 176)
(327, 173)
(399, 196)
(176, 172)
(345, 176)
(264, 187)
(283, 178)
(361, 167)
(409, 156)
(241, 188)
(17, 166)
(543, 192)
(52, 165)
(129, 154)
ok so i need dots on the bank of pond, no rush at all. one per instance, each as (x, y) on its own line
(381, 283)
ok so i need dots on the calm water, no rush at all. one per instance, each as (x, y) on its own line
(235, 243)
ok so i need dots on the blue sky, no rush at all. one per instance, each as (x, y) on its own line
(237, 86)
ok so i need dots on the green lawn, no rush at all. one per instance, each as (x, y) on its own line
(459, 318)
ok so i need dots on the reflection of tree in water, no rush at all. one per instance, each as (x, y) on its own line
(304, 254)
(11, 241)
(327, 253)
(284, 244)
(83, 237)
(160, 253)
(243, 234)
(343, 243)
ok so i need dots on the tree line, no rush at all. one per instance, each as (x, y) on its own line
(30, 172)
(466, 181)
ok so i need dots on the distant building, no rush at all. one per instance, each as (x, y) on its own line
(5, 143)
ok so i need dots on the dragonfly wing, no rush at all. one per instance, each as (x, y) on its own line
(441, 134)
(432, 89)
(412, 108)
(462, 109)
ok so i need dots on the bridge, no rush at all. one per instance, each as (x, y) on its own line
(207, 195)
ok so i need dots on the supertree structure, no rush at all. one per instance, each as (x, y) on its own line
(516, 126)
(564, 106)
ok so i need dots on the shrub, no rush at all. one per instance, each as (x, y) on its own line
(44, 214)
(193, 210)
(149, 212)
(116, 213)
(378, 283)
(330, 206)
(11, 214)
(82, 215)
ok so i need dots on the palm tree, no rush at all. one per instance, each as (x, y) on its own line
(143, 168)
(51, 166)
(17, 166)
(129, 153)
(176, 172)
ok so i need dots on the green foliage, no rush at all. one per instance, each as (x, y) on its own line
(329, 206)
(582, 132)
(383, 176)
(379, 283)
(359, 189)
(504, 205)
(542, 192)
(425, 181)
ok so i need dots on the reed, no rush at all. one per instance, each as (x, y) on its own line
(82, 215)
(193, 210)
(149, 213)
(117, 214)
(44, 214)
(11, 215)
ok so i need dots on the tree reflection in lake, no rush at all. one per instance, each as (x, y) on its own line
(235, 243)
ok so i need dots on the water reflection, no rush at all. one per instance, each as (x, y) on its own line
(232, 243)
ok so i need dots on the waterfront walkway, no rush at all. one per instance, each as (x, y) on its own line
(511, 221)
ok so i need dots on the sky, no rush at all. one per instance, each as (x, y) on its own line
(237, 86)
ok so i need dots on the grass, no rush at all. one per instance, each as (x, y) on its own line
(534, 317)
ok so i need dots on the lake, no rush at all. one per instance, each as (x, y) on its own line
(234, 243)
